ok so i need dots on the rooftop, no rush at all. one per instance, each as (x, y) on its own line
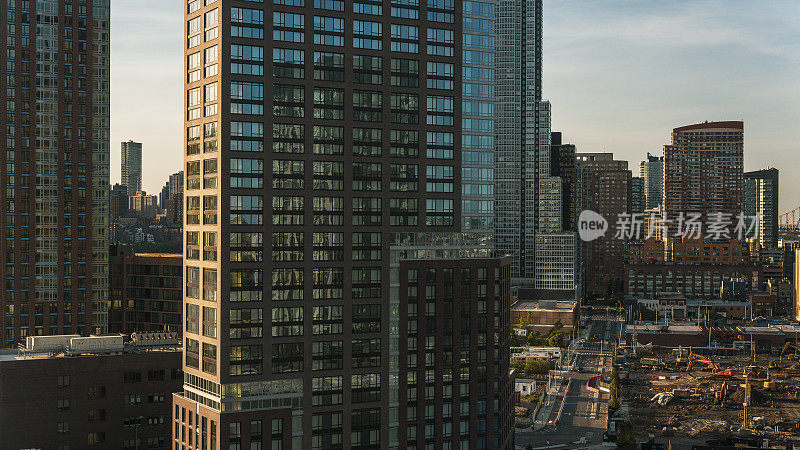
(73, 345)
(545, 305)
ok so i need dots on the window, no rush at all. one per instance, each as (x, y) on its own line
(288, 63)
(333, 5)
(405, 72)
(367, 69)
(367, 35)
(288, 210)
(287, 174)
(288, 27)
(366, 211)
(288, 101)
(209, 358)
(328, 103)
(327, 319)
(328, 66)
(63, 381)
(367, 106)
(132, 377)
(367, 318)
(328, 140)
(287, 284)
(374, 9)
(287, 357)
(246, 323)
(328, 246)
(327, 355)
(328, 211)
(439, 212)
(209, 321)
(328, 31)
(366, 387)
(288, 138)
(366, 353)
(404, 38)
(328, 175)
(287, 322)
(367, 142)
(440, 42)
(246, 360)
(326, 391)
(404, 177)
(192, 353)
(367, 176)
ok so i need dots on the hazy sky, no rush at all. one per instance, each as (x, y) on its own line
(620, 74)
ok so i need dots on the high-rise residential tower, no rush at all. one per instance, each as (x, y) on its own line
(638, 196)
(651, 171)
(703, 170)
(131, 160)
(325, 143)
(562, 165)
(528, 200)
(54, 209)
(605, 187)
(761, 200)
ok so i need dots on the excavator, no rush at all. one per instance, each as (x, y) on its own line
(695, 358)
(791, 346)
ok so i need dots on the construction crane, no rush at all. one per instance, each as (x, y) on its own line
(790, 221)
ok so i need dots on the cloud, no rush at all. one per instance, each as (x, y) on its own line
(621, 74)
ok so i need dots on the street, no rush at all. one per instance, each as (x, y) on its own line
(583, 418)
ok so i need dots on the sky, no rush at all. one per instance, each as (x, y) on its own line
(620, 75)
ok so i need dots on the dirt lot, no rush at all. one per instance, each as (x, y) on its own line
(697, 410)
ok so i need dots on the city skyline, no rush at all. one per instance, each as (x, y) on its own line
(607, 81)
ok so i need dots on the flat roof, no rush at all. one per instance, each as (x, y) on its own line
(656, 328)
(544, 305)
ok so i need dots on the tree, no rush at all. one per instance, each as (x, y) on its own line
(525, 321)
(626, 439)
(556, 340)
(537, 366)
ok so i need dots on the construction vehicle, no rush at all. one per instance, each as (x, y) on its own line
(695, 358)
(719, 395)
(791, 346)
(683, 355)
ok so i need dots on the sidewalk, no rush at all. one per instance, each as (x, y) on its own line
(551, 401)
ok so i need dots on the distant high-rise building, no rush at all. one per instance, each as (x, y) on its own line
(638, 196)
(176, 183)
(562, 165)
(163, 196)
(605, 188)
(132, 166)
(761, 200)
(54, 201)
(651, 172)
(143, 205)
(703, 170)
(528, 200)
(295, 320)
(119, 201)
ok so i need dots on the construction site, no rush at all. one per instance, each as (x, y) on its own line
(713, 394)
